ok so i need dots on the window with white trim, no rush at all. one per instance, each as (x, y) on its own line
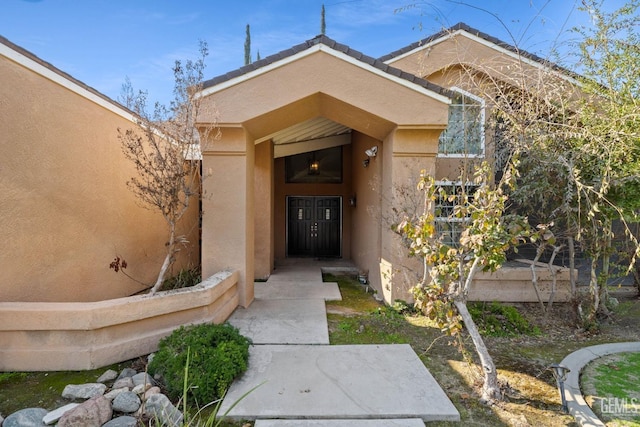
(464, 135)
(449, 224)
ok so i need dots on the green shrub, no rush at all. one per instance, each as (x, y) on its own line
(500, 320)
(217, 355)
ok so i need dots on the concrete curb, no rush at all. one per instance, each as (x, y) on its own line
(576, 361)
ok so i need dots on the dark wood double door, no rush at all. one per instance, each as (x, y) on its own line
(314, 226)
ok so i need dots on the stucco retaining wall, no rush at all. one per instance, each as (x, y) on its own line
(46, 336)
(513, 284)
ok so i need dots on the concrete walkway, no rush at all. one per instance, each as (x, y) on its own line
(576, 361)
(303, 381)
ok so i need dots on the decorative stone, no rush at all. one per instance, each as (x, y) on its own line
(107, 376)
(127, 372)
(159, 407)
(116, 391)
(83, 391)
(151, 391)
(125, 382)
(143, 378)
(94, 412)
(125, 421)
(53, 416)
(141, 388)
(30, 417)
(126, 402)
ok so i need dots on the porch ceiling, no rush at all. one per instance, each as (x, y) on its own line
(312, 129)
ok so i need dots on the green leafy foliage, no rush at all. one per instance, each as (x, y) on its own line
(217, 355)
(500, 320)
(449, 269)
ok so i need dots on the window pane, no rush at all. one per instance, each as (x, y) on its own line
(449, 225)
(464, 131)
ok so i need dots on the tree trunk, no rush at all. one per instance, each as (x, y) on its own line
(490, 387)
(593, 290)
(572, 265)
(534, 276)
(554, 280)
(167, 259)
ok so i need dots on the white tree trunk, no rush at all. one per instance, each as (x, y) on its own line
(490, 387)
(167, 259)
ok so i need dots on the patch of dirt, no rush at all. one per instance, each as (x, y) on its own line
(343, 311)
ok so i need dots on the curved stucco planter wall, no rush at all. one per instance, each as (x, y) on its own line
(43, 336)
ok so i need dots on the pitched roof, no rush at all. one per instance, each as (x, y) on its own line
(461, 26)
(44, 68)
(338, 47)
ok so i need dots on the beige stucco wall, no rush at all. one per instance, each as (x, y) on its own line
(366, 217)
(50, 336)
(474, 56)
(228, 208)
(264, 210)
(408, 151)
(323, 85)
(66, 212)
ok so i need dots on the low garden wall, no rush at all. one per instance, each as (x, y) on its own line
(46, 336)
(512, 283)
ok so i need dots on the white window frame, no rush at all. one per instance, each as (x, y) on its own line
(448, 219)
(482, 128)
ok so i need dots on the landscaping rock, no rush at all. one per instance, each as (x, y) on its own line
(151, 391)
(116, 391)
(159, 407)
(125, 421)
(53, 416)
(83, 391)
(125, 382)
(30, 417)
(143, 378)
(141, 388)
(94, 412)
(127, 372)
(107, 376)
(126, 402)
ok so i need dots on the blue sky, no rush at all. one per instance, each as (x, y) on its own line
(101, 42)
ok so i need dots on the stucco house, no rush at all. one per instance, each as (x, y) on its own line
(316, 142)
(319, 145)
(318, 139)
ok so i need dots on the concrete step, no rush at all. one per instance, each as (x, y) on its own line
(292, 290)
(399, 422)
(337, 382)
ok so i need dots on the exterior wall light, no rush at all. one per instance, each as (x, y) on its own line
(371, 152)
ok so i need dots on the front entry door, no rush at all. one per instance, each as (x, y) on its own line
(313, 226)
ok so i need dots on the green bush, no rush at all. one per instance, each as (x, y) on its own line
(217, 355)
(500, 320)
